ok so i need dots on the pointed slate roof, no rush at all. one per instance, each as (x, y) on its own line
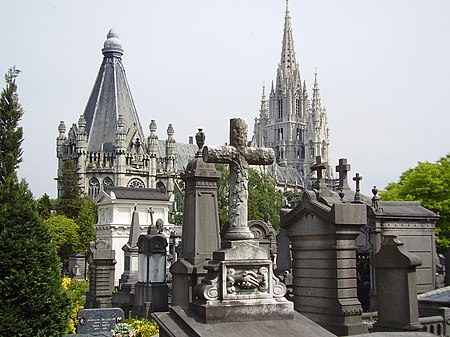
(110, 97)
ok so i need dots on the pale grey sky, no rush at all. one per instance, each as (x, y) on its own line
(384, 71)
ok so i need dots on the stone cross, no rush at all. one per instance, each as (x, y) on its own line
(319, 167)
(151, 212)
(238, 156)
(357, 178)
(343, 168)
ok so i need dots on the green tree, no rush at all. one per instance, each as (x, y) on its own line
(33, 302)
(292, 199)
(44, 206)
(428, 183)
(65, 235)
(70, 200)
(264, 202)
(85, 221)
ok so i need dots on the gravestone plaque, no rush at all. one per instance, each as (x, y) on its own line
(98, 320)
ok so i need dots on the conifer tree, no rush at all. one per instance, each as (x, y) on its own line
(70, 200)
(44, 206)
(86, 220)
(33, 302)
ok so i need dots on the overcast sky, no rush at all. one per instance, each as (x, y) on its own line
(383, 68)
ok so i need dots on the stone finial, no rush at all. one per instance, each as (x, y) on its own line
(170, 130)
(200, 138)
(375, 198)
(62, 128)
(82, 122)
(112, 45)
(152, 127)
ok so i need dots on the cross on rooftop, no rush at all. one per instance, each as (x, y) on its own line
(357, 178)
(343, 168)
(238, 156)
(318, 166)
(151, 212)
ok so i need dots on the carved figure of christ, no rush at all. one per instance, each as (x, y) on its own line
(238, 156)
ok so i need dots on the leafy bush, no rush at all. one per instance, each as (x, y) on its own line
(76, 290)
(143, 327)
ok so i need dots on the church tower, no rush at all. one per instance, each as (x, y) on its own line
(108, 146)
(288, 122)
(317, 133)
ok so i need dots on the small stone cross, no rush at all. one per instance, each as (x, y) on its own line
(357, 178)
(151, 212)
(343, 168)
(319, 167)
(238, 156)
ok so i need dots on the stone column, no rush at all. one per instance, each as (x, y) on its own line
(102, 262)
(200, 226)
(396, 287)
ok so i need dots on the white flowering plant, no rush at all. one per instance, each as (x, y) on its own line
(123, 330)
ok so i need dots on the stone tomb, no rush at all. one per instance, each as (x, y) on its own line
(239, 285)
(322, 230)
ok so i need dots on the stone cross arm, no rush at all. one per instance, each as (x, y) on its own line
(225, 155)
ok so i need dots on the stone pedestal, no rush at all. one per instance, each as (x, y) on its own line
(101, 259)
(240, 286)
(322, 231)
(200, 226)
(396, 287)
(150, 297)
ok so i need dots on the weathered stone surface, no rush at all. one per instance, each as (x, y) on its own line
(200, 226)
(413, 225)
(101, 259)
(396, 283)
(239, 157)
(182, 322)
(322, 231)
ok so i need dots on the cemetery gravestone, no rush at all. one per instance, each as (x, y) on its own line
(323, 230)
(98, 320)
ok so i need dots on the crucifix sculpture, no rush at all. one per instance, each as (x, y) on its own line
(238, 156)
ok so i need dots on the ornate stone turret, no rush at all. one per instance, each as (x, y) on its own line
(152, 147)
(317, 133)
(108, 145)
(170, 155)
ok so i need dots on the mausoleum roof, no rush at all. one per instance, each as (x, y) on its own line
(405, 209)
(110, 97)
(135, 193)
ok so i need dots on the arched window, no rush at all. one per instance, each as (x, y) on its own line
(136, 183)
(108, 182)
(161, 187)
(94, 187)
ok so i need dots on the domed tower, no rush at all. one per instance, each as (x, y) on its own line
(108, 146)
